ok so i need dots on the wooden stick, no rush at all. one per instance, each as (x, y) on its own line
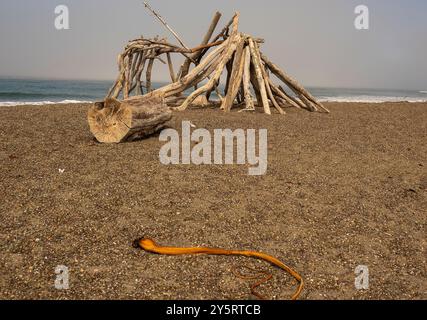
(221, 98)
(166, 25)
(113, 89)
(138, 83)
(255, 85)
(187, 81)
(171, 72)
(132, 69)
(292, 100)
(211, 83)
(270, 94)
(155, 47)
(260, 79)
(121, 77)
(293, 84)
(197, 73)
(311, 106)
(195, 56)
(137, 63)
(135, 78)
(267, 83)
(211, 29)
(127, 77)
(223, 31)
(281, 94)
(246, 80)
(229, 69)
(227, 26)
(166, 49)
(235, 78)
(206, 73)
(235, 39)
(148, 74)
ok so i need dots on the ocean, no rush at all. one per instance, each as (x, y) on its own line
(38, 92)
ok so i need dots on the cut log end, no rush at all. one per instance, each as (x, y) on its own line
(113, 121)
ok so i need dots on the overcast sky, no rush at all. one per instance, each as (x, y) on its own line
(313, 40)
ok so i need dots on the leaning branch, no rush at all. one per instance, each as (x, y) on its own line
(165, 24)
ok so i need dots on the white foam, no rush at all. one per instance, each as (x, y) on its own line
(371, 99)
(38, 103)
(360, 99)
(423, 92)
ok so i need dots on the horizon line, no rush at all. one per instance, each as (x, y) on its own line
(168, 82)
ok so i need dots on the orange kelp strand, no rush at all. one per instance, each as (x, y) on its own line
(150, 246)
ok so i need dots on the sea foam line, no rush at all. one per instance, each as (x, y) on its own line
(355, 99)
(38, 103)
(371, 99)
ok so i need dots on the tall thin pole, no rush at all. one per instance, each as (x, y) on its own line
(165, 24)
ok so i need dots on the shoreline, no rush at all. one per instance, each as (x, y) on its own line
(341, 190)
(73, 102)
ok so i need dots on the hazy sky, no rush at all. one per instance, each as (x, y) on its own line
(313, 40)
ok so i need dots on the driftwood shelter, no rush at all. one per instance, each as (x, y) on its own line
(230, 56)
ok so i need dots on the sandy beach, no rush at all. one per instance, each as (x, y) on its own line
(342, 190)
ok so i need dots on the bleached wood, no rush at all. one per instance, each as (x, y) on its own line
(246, 81)
(261, 84)
(165, 24)
(170, 65)
(195, 56)
(148, 75)
(236, 76)
(294, 85)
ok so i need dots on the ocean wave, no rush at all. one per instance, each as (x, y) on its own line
(423, 92)
(355, 99)
(17, 95)
(371, 99)
(38, 103)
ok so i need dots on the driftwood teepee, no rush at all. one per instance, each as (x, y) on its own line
(232, 53)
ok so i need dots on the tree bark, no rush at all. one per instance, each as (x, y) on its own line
(113, 121)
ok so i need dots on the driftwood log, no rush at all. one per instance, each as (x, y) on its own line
(113, 121)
